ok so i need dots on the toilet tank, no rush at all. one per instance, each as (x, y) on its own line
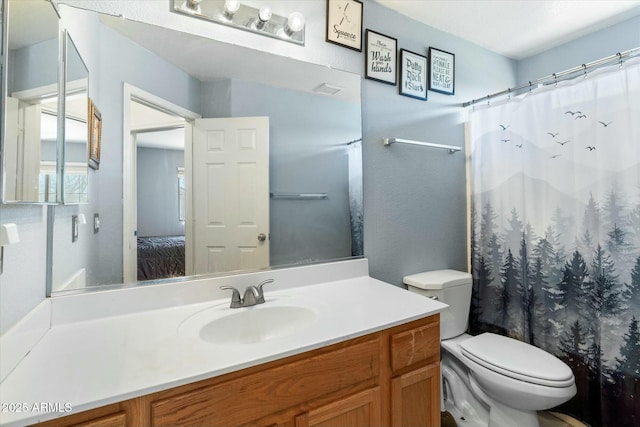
(450, 287)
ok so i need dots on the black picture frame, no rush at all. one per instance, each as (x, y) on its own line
(381, 56)
(344, 23)
(413, 75)
(442, 71)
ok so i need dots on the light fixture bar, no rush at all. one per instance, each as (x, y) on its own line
(237, 15)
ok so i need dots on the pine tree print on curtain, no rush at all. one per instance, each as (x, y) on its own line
(556, 232)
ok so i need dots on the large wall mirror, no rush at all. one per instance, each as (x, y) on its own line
(30, 128)
(173, 106)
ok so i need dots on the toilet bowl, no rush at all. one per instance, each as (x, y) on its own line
(494, 380)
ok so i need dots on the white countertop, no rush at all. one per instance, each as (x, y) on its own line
(89, 363)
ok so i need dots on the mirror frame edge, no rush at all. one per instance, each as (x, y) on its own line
(4, 46)
(65, 37)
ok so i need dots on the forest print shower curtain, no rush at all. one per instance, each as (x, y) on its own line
(556, 232)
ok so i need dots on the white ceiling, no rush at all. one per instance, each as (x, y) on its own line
(517, 28)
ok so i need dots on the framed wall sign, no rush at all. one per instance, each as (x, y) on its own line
(381, 56)
(344, 23)
(442, 71)
(413, 75)
(95, 130)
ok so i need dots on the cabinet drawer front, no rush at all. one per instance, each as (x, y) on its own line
(415, 345)
(115, 420)
(254, 396)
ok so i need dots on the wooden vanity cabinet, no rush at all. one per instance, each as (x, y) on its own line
(415, 382)
(391, 377)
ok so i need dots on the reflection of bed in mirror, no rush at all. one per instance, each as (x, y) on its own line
(160, 196)
(160, 257)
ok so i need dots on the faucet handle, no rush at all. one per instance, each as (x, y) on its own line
(259, 287)
(236, 301)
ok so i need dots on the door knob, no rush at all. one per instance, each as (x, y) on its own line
(262, 237)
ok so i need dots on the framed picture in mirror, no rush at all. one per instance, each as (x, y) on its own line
(95, 129)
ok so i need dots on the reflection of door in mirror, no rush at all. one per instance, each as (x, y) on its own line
(231, 194)
(30, 125)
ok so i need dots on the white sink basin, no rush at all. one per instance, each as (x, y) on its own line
(225, 326)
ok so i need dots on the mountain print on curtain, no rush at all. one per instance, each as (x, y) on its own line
(556, 232)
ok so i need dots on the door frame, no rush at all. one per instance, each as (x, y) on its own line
(129, 180)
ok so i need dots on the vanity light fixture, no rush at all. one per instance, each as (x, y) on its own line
(234, 14)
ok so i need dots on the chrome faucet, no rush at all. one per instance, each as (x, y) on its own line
(253, 295)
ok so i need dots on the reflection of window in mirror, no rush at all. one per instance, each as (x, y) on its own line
(47, 177)
(76, 180)
(181, 195)
(47, 182)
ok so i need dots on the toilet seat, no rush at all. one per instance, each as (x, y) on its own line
(517, 360)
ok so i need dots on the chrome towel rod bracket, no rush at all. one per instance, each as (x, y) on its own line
(451, 148)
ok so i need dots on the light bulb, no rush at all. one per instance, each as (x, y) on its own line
(295, 23)
(231, 7)
(264, 14)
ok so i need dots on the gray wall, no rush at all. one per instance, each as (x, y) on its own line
(600, 44)
(21, 73)
(414, 197)
(158, 192)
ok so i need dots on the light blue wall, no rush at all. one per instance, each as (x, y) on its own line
(600, 44)
(22, 75)
(415, 197)
(158, 192)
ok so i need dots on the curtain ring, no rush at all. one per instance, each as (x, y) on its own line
(620, 59)
(488, 98)
(530, 85)
(509, 91)
(585, 70)
(555, 78)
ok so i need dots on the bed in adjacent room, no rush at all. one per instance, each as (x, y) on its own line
(160, 257)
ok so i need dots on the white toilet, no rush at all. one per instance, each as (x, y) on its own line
(489, 380)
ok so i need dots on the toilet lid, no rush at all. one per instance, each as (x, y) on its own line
(518, 360)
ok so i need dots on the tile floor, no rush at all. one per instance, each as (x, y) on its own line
(546, 419)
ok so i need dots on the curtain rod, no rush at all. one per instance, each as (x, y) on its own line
(617, 57)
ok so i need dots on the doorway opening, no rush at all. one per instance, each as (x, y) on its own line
(157, 238)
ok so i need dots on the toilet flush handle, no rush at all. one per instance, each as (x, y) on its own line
(433, 297)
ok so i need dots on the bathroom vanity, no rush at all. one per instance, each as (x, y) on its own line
(369, 355)
(360, 382)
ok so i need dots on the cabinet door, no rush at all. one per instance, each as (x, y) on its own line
(415, 398)
(358, 410)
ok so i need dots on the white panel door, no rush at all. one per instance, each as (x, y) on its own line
(231, 194)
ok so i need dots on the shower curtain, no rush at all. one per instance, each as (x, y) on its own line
(555, 242)
(356, 214)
